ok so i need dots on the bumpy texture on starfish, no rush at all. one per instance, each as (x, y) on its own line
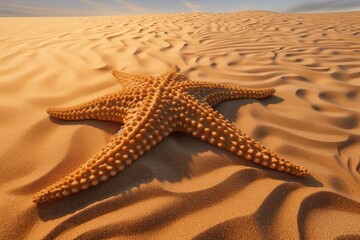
(151, 108)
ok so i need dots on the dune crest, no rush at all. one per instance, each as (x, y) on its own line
(312, 60)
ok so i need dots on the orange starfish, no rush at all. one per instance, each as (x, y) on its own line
(151, 108)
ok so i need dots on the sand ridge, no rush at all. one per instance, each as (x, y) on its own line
(312, 60)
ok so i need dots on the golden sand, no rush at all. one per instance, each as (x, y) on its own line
(185, 188)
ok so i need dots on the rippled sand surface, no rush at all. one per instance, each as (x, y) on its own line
(184, 188)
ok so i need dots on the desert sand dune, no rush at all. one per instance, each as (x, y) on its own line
(185, 188)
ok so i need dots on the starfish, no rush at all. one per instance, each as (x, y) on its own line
(152, 107)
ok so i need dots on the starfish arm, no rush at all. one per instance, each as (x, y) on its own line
(123, 149)
(210, 126)
(214, 94)
(111, 107)
(128, 80)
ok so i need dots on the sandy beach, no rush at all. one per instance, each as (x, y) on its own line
(184, 188)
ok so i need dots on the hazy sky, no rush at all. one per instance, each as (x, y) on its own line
(121, 7)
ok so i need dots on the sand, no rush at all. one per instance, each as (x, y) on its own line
(185, 188)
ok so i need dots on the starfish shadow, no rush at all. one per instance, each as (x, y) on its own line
(153, 165)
